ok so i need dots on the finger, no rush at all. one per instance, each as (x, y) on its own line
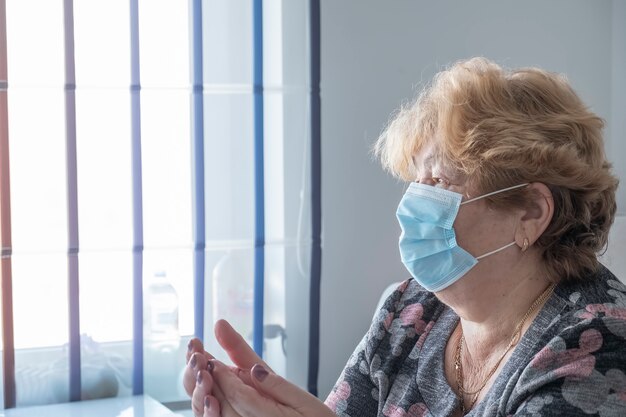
(195, 345)
(244, 399)
(214, 391)
(243, 374)
(240, 352)
(211, 407)
(204, 387)
(278, 388)
(197, 362)
(225, 408)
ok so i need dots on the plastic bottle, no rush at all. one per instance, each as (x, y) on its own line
(161, 314)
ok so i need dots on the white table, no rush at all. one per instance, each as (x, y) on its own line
(137, 406)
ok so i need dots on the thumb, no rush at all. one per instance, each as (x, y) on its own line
(279, 389)
(240, 352)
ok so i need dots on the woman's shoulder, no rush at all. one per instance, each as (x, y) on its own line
(591, 324)
(598, 303)
(600, 295)
(406, 315)
(400, 328)
(411, 299)
(582, 353)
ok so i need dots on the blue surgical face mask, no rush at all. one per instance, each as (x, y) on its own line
(428, 245)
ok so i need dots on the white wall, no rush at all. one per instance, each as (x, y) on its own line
(374, 54)
(617, 143)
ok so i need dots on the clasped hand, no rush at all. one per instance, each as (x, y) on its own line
(248, 389)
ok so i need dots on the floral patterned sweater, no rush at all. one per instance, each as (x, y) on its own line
(570, 362)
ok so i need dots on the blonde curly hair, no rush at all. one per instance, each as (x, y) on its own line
(501, 128)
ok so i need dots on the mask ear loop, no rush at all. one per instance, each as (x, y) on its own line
(478, 258)
(495, 192)
(487, 195)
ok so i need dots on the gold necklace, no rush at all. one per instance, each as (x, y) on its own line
(514, 340)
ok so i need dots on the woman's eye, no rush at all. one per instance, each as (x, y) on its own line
(441, 181)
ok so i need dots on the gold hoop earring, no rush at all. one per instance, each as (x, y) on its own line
(525, 245)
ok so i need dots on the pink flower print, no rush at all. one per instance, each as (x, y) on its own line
(336, 400)
(572, 363)
(388, 320)
(607, 310)
(423, 336)
(416, 410)
(412, 315)
(612, 315)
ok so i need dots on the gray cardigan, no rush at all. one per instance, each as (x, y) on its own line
(570, 362)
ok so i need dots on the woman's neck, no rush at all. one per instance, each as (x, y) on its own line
(485, 341)
(489, 314)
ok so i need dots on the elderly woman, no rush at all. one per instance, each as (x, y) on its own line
(508, 312)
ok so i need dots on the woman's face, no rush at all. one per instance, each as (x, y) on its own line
(479, 229)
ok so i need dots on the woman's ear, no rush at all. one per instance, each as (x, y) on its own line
(536, 216)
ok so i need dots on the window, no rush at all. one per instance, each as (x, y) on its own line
(134, 180)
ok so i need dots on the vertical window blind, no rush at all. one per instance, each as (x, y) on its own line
(160, 169)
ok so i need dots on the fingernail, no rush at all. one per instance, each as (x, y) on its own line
(210, 366)
(259, 372)
(193, 361)
(199, 378)
(189, 346)
(207, 403)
